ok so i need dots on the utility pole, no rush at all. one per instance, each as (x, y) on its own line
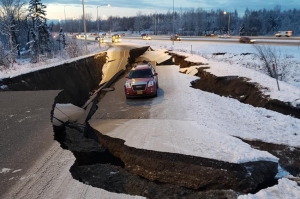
(173, 25)
(84, 26)
(228, 32)
(65, 17)
(228, 24)
(155, 23)
(108, 5)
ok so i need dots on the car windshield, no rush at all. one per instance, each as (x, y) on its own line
(140, 73)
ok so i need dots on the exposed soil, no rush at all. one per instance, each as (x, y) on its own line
(107, 163)
(190, 171)
(96, 166)
(238, 88)
(250, 93)
(288, 156)
(115, 179)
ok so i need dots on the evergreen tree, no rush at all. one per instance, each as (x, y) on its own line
(39, 31)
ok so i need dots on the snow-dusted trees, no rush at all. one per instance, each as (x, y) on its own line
(39, 33)
(74, 49)
(61, 39)
(138, 22)
(10, 11)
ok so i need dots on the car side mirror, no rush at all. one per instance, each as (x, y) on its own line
(126, 76)
(155, 74)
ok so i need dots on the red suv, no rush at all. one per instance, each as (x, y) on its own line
(142, 80)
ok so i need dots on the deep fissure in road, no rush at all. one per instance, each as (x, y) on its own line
(107, 163)
(236, 87)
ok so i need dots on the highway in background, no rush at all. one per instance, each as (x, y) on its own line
(271, 40)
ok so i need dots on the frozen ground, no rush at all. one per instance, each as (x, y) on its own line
(284, 127)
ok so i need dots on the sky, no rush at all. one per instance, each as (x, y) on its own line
(71, 9)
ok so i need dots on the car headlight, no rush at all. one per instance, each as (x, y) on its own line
(150, 83)
(127, 85)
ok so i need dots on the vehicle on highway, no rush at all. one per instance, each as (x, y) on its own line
(224, 36)
(175, 37)
(142, 80)
(99, 38)
(115, 38)
(82, 35)
(79, 35)
(244, 39)
(209, 34)
(284, 33)
(146, 37)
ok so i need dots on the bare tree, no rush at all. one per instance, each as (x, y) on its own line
(7, 27)
(269, 56)
(73, 48)
(9, 11)
(138, 22)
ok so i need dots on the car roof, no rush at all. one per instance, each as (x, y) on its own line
(142, 66)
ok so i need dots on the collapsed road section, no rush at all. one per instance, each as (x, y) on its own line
(236, 87)
(107, 160)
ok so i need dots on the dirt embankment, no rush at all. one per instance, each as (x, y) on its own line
(251, 93)
(238, 88)
(102, 161)
(76, 79)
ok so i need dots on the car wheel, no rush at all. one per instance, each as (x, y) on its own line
(156, 84)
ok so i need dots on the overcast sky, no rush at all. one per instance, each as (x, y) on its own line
(73, 8)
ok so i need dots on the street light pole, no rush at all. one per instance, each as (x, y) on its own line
(97, 21)
(228, 23)
(155, 24)
(108, 5)
(228, 32)
(173, 25)
(65, 17)
(84, 26)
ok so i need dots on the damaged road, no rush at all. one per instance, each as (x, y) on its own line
(157, 165)
(164, 147)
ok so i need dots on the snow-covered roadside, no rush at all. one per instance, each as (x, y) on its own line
(24, 66)
(287, 92)
(286, 189)
(264, 122)
(235, 63)
(50, 178)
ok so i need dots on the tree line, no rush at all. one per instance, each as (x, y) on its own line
(194, 22)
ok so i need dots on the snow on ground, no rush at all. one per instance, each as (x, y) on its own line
(286, 189)
(50, 178)
(181, 137)
(235, 63)
(249, 123)
(24, 66)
